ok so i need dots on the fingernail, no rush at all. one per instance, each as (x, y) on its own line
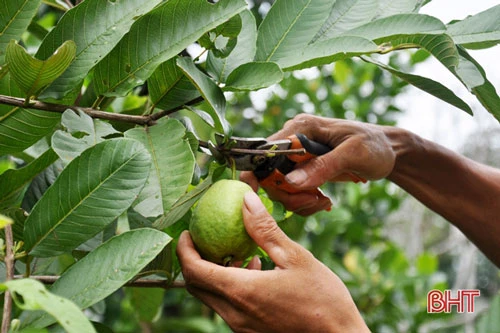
(296, 177)
(253, 203)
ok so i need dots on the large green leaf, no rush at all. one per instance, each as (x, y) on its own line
(243, 52)
(21, 128)
(469, 69)
(479, 31)
(96, 26)
(36, 297)
(288, 27)
(210, 92)
(92, 191)
(253, 76)
(169, 87)
(154, 39)
(81, 133)
(13, 182)
(33, 75)
(430, 86)
(398, 25)
(461, 64)
(172, 167)
(15, 17)
(110, 265)
(347, 15)
(329, 50)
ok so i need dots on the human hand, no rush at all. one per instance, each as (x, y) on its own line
(299, 295)
(361, 149)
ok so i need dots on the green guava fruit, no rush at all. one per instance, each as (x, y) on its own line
(216, 225)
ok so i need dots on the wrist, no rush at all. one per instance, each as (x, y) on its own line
(405, 146)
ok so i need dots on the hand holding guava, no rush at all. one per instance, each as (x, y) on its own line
(299, 295)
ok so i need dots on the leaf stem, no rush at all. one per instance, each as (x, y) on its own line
(9, 267)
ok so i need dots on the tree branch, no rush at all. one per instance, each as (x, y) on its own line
(148, 120)
(143, 283)
(9, 267)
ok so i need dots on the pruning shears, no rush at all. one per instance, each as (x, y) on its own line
(270, 160)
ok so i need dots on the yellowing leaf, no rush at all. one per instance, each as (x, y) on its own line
(4, 221)
(33, 75)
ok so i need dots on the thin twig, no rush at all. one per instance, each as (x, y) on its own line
(60, 108)
(143, 283)
(148, 120)
(9, 267)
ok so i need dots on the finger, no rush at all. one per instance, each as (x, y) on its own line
(265, 231)
(249, 178)
(300, 202)
(317, 171)
(217, 303)
(201, 273)
(255, 264)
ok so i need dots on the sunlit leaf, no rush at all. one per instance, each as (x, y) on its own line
(34, 296)
(172, 167)
(154, 39)
(15, 18)
(86, 196)
(33, 75)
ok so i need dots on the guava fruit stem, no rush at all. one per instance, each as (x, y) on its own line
(227, 261)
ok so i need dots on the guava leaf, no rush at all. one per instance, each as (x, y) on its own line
(171, 169)
(243, 52)
(14, 181)
(90, 132)
(154, 40)
(21, 128)
(111, 265)
(169, 87)
(210, 92)
(253, 76)
(289, 27)
(87, 197)
(430, 86)
(36, 297)
(95, 26)
(478, 31)
(15, 17)
(33, 75)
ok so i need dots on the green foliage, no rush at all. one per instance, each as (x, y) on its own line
(101, 202)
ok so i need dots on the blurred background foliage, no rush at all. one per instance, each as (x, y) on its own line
(387, 248)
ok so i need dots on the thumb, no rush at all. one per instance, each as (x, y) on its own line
(266, 233)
